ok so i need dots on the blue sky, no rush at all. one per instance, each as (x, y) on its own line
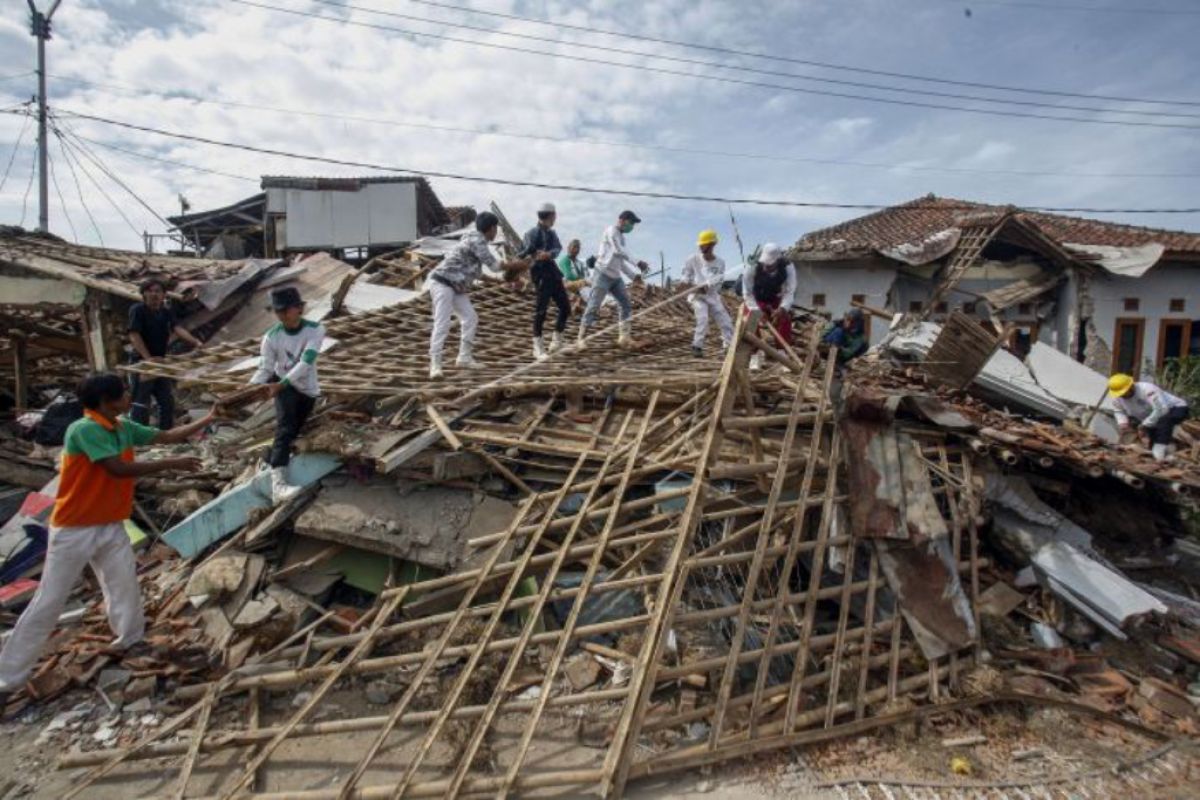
(155, 56)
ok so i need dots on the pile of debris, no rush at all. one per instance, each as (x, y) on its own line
(619, 563)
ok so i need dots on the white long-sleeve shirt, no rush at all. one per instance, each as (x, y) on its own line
(701, 272)
(1147, 404)
(291, 356)
(613, 258)
(787, 295)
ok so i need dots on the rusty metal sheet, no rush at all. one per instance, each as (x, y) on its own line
(922, 575)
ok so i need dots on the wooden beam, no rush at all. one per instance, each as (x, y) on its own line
(20, 350)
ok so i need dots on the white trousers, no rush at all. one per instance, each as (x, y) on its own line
(107, 549)
(446, 303)
(710, 305)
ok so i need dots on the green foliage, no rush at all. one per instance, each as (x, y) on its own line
(1181, 377)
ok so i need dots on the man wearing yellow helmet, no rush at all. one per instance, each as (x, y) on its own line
(706, 271)
(1156, 411)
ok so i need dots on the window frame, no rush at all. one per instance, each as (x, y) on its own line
(1185, 338)
(1140, 324)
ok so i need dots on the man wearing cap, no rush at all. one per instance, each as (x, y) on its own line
(706, 271)
(1156, 411)
(449, 286)
(769, 285)
(288, 371)
(543, 247)
(849, 336)
(613, 260)
(152, 323)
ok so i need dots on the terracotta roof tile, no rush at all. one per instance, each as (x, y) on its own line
(917, 219)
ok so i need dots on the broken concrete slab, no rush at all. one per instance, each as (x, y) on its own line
(255, 612)
(218, 577)
(1102, 594)
(426, 525)
(232, 510)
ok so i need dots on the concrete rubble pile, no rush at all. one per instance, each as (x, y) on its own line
(619, 563)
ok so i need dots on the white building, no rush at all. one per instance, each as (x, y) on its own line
(1117, 297)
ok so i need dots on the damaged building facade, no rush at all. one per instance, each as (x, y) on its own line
(1116, 297)
(349, 218)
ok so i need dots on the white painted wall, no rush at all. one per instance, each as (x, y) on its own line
(377, 214)
(840, 281)
(1154, 290)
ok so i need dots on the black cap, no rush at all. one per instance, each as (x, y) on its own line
(285, 297)
(485, 220)
(629, 216)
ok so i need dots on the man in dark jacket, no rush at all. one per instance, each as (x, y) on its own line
(543, 247)
(151, 325)
(849, 336)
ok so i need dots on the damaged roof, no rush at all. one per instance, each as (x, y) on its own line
(919, 220)
(116, 272)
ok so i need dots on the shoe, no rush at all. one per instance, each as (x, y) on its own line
(539, 350)
(756, 361)
(698, 352)
(623, 334)
(435, 369)
(281, 490)
(1160, 452)
(466, 359)
(556, 342)
(582, 335)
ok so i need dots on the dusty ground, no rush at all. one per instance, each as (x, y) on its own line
(1066, 745)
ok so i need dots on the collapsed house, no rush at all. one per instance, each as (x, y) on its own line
(1116, 297)
(650, 560)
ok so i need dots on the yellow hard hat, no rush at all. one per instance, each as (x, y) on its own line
(706, 237)
(1119, 384)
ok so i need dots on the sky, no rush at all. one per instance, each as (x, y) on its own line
(237, 72)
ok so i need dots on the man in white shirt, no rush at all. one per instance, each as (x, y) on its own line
(287, 368)
(769, 285)
(706, 271)
(613, 260)
(1156, 411)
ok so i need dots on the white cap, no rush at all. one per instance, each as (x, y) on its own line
(770, 253)
(546, 208)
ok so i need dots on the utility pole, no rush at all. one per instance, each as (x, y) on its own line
(40, 28)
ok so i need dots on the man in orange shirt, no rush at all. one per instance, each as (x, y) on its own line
(95, 497)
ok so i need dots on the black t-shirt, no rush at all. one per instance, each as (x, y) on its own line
(154, 327)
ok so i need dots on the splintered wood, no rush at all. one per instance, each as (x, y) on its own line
(680, 582)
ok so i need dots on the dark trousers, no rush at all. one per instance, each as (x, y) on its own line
(1164, 429)
(163, 392)
(291, 412)
(550, 287)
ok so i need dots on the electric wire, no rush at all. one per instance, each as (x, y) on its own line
(1020, 4)
(28, 187)
(61, 200)
(759, 71)
(79, 189)
(723, 78)
(571, 187)
(104, 169)
(590, 30)
(70, 149)
(16, 148)
(160, 160)
(569, 140)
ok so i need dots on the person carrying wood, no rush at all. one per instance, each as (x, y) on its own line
(287, 369)
(87, 526)
(706, 271)
(542, 246)
(769, 285)
(449, 287)
(151, 325)
(612, 261)
(1156, 411)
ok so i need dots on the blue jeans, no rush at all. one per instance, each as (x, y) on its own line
(601, 288)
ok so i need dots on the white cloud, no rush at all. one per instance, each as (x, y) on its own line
(226, 52)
